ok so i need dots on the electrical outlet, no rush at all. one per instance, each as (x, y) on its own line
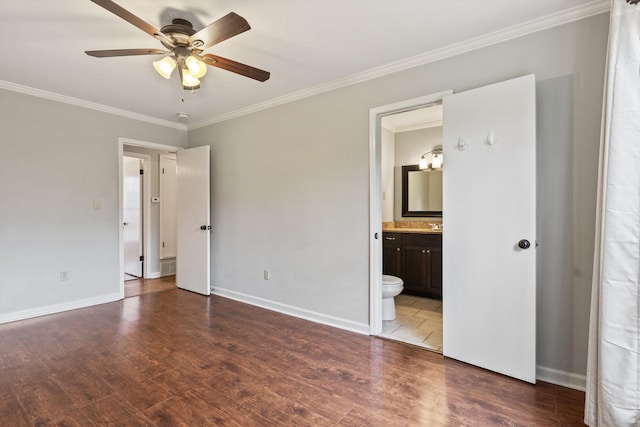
(266, 274)
(64, 275)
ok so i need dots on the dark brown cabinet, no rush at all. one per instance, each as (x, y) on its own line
(417, 259)
(392, 254)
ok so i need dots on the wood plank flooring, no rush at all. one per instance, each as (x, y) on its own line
(175, 358)
(140, 286)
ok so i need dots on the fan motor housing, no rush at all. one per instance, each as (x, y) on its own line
(180, 30)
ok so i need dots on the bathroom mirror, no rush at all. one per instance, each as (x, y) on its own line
(421, 192)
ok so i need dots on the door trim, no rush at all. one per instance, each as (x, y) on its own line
(375, 198)
(146, 208)
(136, 143)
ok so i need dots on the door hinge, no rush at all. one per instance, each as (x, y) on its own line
(141, 171)
(163, 171)
(163, 244)
(141, 257)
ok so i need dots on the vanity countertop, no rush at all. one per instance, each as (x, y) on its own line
(395, 229)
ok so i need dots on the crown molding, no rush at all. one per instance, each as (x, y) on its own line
(587, 10)
(418, 126)
(14, 87)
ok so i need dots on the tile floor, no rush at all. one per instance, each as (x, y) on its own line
(418, 321)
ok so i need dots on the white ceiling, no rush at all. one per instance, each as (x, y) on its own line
(303, 43)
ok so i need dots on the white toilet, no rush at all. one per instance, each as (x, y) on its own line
(391, 286)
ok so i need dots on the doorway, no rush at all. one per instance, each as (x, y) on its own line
(146, 154)
(412, 223)
(192, 262)
(375, 199)
(489, 259)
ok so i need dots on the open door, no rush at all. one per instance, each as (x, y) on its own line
(489, 218)
(193, 226)
(132, 215)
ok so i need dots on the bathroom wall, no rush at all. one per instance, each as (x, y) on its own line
(409, 147)
(290, 186)
(387, 155)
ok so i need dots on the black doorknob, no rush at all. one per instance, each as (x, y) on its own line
(524, 244)
(203, 227)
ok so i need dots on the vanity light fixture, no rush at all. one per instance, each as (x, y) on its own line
(436, 157)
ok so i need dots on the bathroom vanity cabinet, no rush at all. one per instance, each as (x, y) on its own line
(417, 259)
(392, 254)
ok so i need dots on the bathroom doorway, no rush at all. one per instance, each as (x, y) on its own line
(411, 219)
(490, 184)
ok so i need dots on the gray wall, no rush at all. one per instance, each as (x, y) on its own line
(290, 184)
(56, 161)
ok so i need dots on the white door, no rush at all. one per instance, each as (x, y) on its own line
(132, 215)
(192, 262)
(168, 206)
(489, 206)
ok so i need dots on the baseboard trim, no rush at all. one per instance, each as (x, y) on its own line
(561, 378)
(336, 322)
(58, 308)
(155, 275)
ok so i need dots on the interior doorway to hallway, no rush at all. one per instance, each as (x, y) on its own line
(141, 155)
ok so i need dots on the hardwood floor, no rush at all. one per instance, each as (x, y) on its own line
(175, 358)
(139, 286)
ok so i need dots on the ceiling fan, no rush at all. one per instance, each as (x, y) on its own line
(185, 46)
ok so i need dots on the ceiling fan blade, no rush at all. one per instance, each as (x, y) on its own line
(236, 67)
(124, 52)
(226, 27)
(133, 19)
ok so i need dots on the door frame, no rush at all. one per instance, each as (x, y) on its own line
(145, 205)
(375, 198)
(122, 141)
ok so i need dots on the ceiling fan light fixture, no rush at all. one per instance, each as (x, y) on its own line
(185, 46)
(165, 66)
(189, 81)
(197, 68)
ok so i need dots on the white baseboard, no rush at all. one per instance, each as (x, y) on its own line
(58, 308)
(562, 378)
(336, 322)
(154, 275)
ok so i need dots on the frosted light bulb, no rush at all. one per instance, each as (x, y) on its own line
(196, 67)
(165, 66)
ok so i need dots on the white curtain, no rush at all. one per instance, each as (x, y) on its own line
(613, 371)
